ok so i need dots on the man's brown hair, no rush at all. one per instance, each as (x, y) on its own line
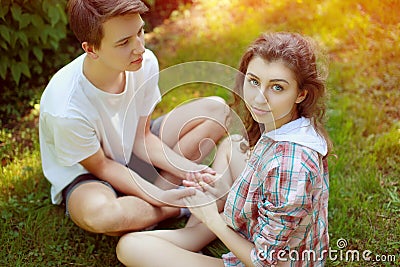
(86, 17)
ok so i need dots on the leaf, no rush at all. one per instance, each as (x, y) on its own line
(15, 72)
(13, 39)
(38, 53)
(54, 44)
(16, 12)
(5, 33)
(24, 55)
(3, 44)
(3, 67)
(4, 8)
(37, 21)
(44, 34)
(45, 5)
(24, 21)
(63, 16)
(54, 15)
(24, 69)
(22, 37)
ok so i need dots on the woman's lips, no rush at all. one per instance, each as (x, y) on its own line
(258, 111)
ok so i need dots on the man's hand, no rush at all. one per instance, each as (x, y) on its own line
(206, 182)
(174, 197)
(201, 169)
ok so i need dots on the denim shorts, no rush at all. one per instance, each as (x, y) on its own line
(141, 167)
(80, 180)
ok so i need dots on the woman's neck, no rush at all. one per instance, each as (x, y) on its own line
(268, 127)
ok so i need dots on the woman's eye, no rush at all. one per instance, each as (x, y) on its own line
(254, 82)
(277, 87)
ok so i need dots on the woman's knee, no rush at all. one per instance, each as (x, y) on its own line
(132, 247)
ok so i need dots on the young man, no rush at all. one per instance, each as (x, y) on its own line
(95, 113)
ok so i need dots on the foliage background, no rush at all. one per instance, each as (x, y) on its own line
(360, 38)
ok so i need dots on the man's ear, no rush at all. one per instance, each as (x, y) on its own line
(302, 95)
(89, 49)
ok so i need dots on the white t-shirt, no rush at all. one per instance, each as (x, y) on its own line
(76, 119)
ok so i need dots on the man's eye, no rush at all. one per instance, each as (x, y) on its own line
(141, 32)
(123, 43)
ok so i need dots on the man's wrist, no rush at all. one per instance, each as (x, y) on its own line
(191, 169)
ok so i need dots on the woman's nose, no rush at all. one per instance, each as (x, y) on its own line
(260, 97)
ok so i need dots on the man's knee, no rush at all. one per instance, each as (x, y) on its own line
(232, 142)
(100, 218)
(218, 108)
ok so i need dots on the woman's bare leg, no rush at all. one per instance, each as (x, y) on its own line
(167, 248)
(178, 246)
(192, 130)
(230, 159)
(229, 162)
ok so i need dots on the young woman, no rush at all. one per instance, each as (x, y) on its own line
(276, 210)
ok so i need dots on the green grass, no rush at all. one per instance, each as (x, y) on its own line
(364, 206)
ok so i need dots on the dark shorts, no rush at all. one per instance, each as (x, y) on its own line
(144, 169)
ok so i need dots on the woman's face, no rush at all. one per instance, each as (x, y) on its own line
(271, 93)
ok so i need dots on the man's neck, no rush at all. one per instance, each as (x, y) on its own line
(104, 78)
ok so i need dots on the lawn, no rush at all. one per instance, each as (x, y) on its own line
(361, 40)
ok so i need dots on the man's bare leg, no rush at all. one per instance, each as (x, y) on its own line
(94, 207)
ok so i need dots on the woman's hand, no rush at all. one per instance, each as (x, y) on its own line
(213, 184)
(203, 206)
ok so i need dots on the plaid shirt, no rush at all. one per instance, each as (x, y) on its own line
(280, 204)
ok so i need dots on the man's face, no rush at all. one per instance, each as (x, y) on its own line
(122, 46)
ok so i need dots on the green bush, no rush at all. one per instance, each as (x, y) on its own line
(33, 45)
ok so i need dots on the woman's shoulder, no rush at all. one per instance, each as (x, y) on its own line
(291, 155)
(293, 148)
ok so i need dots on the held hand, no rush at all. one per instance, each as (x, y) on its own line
(214, 184)
(175, 197)
(202, 169)
(203, 206)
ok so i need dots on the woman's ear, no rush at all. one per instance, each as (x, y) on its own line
(302, 95)
(89, 49)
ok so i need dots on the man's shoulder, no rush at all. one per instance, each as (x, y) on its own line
(73, 68)
(62, 86)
